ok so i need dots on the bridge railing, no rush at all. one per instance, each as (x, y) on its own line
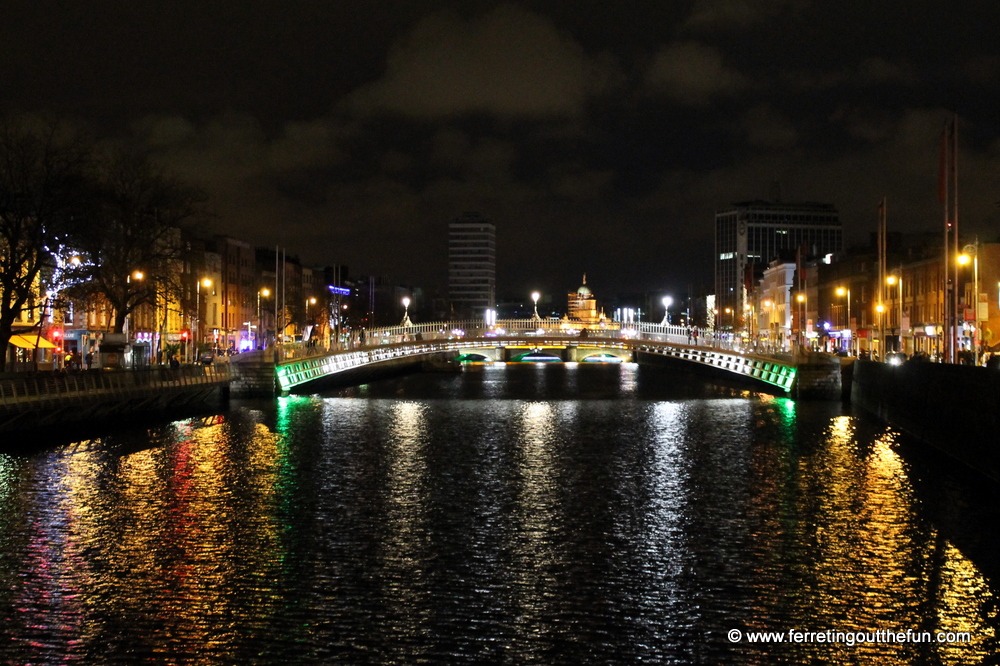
(47, 386)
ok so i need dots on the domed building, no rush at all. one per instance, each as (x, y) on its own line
(581, 307)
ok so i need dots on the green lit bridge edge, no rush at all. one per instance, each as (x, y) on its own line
(394, 343)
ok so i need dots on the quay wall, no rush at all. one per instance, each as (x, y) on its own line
(31, 402)
(954, 408)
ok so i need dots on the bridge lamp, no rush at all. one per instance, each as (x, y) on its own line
(667, 302)
(406, 312)
(534, 297)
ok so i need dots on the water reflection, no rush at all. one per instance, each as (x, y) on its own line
(445, 519)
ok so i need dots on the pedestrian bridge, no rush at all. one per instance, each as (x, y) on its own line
(508, 338)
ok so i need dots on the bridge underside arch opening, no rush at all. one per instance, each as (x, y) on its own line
(473, 358)
(602, 358)
(535, 357)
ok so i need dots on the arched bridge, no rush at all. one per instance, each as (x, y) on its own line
(507, 338)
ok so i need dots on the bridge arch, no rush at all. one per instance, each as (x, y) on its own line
(297, 374)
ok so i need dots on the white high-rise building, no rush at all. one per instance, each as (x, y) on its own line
(472, 264)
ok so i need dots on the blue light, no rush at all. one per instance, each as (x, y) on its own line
(343, 291)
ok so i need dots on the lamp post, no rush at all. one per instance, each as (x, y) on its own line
(197, 312)
(667, 302)
(801, 300)
(406, 312)
(305, 320)
(770, 332)
(964, 258)
(898, 281)
(265, 292)
(840, 292)
(138, 276)
(534, 297)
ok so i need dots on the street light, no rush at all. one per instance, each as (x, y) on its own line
(534, 297)
(898, 281)
(406, 312)
(197, 309)
(305, 321)
(667, 302)
(964, 259)
(801, 299)
(138, 277)
(265, 292)
(840, 292)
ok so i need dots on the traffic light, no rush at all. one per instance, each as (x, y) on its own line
(184, 335)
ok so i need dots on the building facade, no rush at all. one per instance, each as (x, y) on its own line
(471, 265)
(749, 235)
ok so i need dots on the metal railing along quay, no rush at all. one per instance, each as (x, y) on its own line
(38, 389)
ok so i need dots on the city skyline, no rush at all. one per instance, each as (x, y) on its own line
(598, 140)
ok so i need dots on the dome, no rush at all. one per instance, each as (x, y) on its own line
(583, 291)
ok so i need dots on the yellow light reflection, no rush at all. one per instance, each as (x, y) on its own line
(876, 566)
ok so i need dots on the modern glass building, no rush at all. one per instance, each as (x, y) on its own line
(749, 235)
(471, 264)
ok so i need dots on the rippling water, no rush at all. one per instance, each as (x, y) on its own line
(530, 514)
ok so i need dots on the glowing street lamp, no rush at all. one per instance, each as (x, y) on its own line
(840, 292)
(406, 312)
(970, 253)
(898, 281)
(534, 297)
(801, 299)
(265, 292)
(667, 302)
(197, 308)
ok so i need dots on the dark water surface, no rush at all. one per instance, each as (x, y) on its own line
(505, 515)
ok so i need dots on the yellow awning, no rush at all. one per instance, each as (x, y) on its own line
(28, 342)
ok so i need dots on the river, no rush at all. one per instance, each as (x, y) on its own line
(519, 514)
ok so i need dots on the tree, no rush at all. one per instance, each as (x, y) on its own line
(132, 250)
(42, 203)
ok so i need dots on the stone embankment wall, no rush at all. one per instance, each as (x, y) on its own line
(50, 400)
(818, 377)
(955, 408)
(253, 375)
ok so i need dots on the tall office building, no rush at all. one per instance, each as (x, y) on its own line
(752, 233)
(472, 264)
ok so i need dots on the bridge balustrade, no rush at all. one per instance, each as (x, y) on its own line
(394, 342)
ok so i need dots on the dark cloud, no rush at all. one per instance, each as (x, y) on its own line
(508, 62)
(693, 73)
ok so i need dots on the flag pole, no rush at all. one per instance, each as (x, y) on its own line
(946, 264)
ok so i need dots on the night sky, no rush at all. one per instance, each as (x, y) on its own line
(599, 136)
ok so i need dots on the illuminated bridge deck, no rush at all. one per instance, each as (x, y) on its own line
(295, 374)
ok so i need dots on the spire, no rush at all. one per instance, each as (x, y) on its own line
(585, 278)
